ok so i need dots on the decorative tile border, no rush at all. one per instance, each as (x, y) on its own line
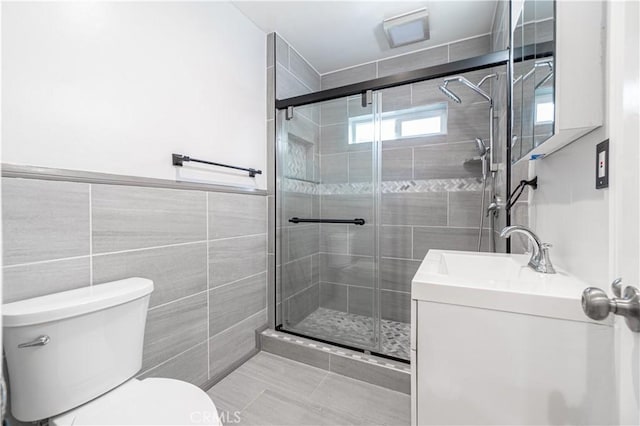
(335, 350)
(387, 187)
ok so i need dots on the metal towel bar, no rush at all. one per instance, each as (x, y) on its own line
(179, 159)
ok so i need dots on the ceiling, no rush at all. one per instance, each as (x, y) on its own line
(333, 35)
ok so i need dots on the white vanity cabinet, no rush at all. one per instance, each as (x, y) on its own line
(501, 344)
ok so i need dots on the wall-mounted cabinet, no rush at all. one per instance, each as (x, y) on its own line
(558, 75)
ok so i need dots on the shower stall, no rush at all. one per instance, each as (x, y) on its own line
(366, 185)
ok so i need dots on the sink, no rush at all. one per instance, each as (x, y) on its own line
(480, 266)
(498, 281)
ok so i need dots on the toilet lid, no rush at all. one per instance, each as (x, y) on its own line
(151, 401)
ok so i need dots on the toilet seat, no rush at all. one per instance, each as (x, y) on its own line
(152, 401)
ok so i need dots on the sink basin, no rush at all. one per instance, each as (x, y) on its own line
(480, 266)
(498, 281)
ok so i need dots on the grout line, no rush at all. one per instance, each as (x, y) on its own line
(407, 53)
(238, 323)
(326, 374)
(180, 299)
(237, 236)
(412, 242)
(46, 261)
(295, 77)
(172, 358)
(90, 235)
(237, 281)
(448, 207)
(208, 287)
(149, 248)
(255, 398)
(294, 49)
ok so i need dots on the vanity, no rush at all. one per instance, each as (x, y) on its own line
(494, 342)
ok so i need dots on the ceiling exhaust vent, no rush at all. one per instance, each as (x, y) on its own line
(407, 28)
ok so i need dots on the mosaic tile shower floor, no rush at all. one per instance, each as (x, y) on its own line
(356, 329)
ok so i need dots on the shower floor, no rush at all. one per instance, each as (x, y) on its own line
(358, 330)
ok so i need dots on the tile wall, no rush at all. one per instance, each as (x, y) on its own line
(299, 244)
(205, 252)
(431, 187)
(430, 190)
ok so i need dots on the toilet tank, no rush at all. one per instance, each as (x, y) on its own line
(94, 338)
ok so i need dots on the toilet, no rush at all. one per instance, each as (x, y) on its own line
(72, 357)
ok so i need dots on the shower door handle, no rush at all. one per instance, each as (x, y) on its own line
(356, 221)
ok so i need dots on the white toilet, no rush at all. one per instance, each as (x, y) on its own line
(71, 357)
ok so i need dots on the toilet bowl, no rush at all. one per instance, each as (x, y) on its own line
(72, 358)
(153, 401)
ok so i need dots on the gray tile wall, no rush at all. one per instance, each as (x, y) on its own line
(298, 244)
(453, 51)
(206, 253)
(411, 223)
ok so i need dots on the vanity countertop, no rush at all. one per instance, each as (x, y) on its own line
(501, 282)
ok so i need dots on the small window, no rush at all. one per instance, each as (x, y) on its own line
(545, 111)
(428, 120)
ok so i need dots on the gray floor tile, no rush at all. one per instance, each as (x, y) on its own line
(237, 390)
(269, 389)
(274, 408)
(282, 374)
(373, 403)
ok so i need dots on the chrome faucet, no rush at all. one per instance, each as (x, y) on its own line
(539, 261)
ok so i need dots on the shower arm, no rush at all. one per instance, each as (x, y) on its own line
(476, 88)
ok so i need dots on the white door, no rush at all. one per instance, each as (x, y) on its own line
(624, 85)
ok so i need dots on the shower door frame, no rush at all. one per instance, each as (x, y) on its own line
(490, 60)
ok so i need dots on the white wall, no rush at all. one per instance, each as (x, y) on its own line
(117, 87)
(567, 211)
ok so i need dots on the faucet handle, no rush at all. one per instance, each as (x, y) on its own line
(544, 261)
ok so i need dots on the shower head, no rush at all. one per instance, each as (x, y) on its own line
(449, 93)
(475, 87)
(482, 148)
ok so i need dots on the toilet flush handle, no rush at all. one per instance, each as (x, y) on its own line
(40, 341)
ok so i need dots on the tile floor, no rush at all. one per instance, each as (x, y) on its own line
(358, 329)
(271, 390)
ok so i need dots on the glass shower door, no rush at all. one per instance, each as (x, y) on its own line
(327, 245)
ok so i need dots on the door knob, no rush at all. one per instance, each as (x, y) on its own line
(597, 305)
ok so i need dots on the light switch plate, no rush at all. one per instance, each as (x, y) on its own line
(602, 164)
